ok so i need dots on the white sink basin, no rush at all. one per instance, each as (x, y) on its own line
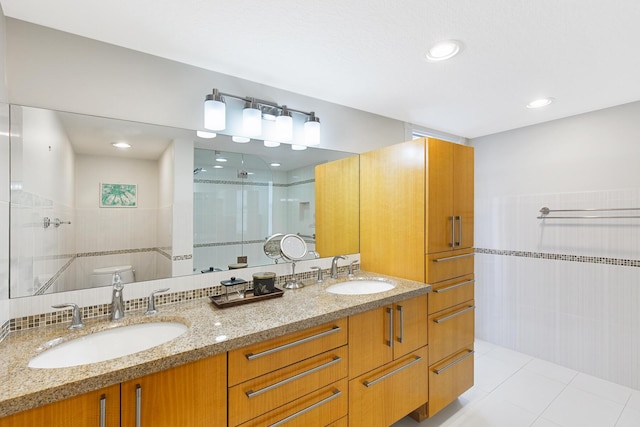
(107, 344)
(361, 287)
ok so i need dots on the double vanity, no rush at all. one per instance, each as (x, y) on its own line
(300, 341)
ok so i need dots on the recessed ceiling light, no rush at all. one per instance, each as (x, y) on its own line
(539, 103)
(221, 159)
(298, 147)
(217, 167)
(444, 50)
(271, 144)
(206, 135)
(240, 139)
(275, 165)
(121, 145)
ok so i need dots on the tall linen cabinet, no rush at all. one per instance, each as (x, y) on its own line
(416, 222)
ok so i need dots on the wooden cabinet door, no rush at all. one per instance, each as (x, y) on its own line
(410, 325)
(463, 194)
(85, 410)
(441, 227)
(191, 395)
(370, 340)
(337, 207)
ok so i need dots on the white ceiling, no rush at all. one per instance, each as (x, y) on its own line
(368, 54)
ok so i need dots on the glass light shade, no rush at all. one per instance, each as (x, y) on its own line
(297, 147)
(240, 139)
(312, 132)
(284, 128)
(271, 144)
(251, 122)
(206, 135)
(214, 114)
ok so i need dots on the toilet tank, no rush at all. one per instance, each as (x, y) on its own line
(104, 276)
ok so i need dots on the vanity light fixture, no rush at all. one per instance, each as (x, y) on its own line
(254, 111)
(539, 103)
(205, 135)
(444, 50)
(271, 144)
(240, 139)
(121, 145)
(298, 147)
(218, 167)
(275, 165)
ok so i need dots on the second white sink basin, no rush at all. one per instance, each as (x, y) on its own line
(361, 287)
(108, 344)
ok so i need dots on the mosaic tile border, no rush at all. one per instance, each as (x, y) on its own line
(94, 311)
(562, 257)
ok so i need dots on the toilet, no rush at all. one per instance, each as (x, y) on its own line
(104, 276)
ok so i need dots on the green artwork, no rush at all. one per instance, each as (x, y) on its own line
(118, 195)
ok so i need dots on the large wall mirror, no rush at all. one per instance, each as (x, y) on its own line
(171, 204)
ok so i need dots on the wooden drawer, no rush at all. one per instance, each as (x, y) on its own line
(450, 330)
(385, 395)
(267, 356)
(317, 409)
(451, 292)
(260, 395)
(450, 378)
(448, 265)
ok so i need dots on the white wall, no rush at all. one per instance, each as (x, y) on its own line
(563, 290)
(85, 76)
(4, 181)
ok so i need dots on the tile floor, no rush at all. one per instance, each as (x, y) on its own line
(512, 390)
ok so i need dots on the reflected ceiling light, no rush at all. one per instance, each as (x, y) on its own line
(122, 145)
(284, 125)
(444, 50)
(539, 103)
(251, 119)
(218, 167)
(312, 130)
(255, 110)
(275, 165)
(240, 139)
(215, 115)
(298, 147)
(206, 135)
(271, 144)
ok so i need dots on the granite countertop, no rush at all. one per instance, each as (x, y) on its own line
(211, 331)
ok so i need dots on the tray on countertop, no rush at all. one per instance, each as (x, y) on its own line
(249, 297)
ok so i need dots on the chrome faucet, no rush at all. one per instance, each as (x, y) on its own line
(117, 300)
(76, 315)
(334, 266)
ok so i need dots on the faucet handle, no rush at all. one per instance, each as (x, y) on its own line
(76, 316)
(351, 268)
(319, 279)
(151, 304)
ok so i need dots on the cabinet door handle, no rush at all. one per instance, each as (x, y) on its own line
(251, 393)
(138, 405)
(395, 371)
(336, 393)
(401, 336)
(391, 332)
(456, 314)
(459, 242)
(451, 258)
(103, 411)
(334, 329)
(453, 232)
(452, 287)
(452, 364)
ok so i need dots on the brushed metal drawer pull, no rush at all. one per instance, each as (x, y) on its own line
(138, 405)
(452, 364)
(390, 341)
(401, 336)
(336, 393)
(451, 258)
(459, 242)
(456, 314)
(395, 371)
(251, 393)
(457, 285)
(251, 356)
(453, 232)
(103, 411)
